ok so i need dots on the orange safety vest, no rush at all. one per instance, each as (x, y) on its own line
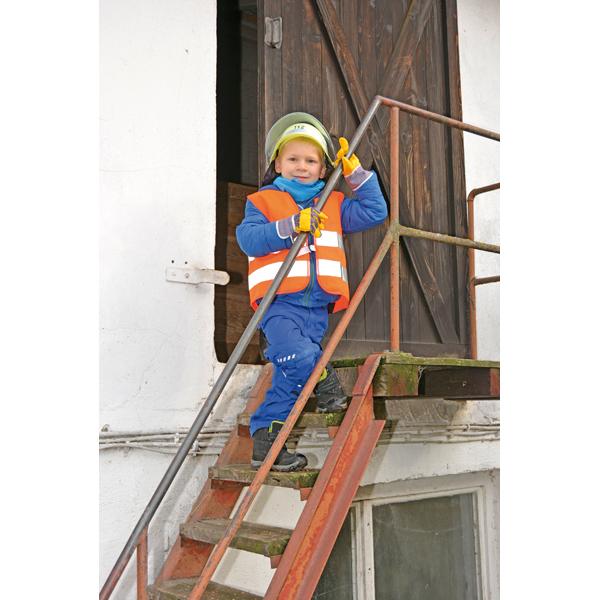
(332, 271)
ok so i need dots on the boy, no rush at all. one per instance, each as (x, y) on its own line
(300, 154)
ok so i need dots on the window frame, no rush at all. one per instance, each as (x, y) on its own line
(477, 484)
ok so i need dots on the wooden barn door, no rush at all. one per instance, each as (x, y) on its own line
(329, 58)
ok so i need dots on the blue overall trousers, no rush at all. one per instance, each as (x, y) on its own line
(294, 333)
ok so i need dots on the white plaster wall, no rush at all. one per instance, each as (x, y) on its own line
(157, 194)
(158, 138)
(479, 48)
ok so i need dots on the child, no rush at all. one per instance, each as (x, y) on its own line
(300, 154)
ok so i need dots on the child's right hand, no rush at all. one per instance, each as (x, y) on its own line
(309, 220)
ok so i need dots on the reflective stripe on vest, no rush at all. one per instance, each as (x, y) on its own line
(268, 272)
(331, 271)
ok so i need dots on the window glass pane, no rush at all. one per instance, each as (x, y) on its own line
(336, 582)
(426, 550)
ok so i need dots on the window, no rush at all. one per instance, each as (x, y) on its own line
(425, 549)
(424, 546)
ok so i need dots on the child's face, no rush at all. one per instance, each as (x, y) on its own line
(301, 160)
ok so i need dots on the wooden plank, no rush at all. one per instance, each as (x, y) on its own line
(251, 537)
(350, 348)
(389, 380)
(307, 420)
(357, 261)
(417, 412)
(404, 358)
(444, 256)
(411, 413)
(311, 57)
(270, 78)
(416, 18)
(231, 302)
(460, 382)
(179, 589)
(293, 67)
(243, 473)
(458, 167)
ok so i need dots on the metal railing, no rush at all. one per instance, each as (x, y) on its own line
(138, 537)
(473, 280)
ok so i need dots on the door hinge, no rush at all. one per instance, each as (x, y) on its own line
(273, 31)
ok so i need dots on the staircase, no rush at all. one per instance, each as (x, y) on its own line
(328, 492)
(400, 382)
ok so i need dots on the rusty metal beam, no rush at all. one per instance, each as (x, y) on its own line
(142, 566)
(432, 116)
(447, 239)
(483, 280)
(314, 536)
(394, 218)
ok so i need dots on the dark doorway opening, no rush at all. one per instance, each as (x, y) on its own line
(237, 166)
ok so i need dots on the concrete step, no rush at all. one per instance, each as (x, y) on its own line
(179, 589)
(251, 537)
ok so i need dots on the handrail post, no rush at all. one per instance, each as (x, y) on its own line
(471, 254)
(394, 220)
(142, 566)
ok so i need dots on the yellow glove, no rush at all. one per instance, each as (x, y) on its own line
(348, 164)
(309, 220)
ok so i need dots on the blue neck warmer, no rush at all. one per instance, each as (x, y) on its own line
(300, 192)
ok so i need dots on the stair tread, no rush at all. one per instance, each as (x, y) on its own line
(179, 589)
(245, 474)
(251, 537)
(307, 420)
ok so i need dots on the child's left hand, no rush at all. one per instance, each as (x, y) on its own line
(349, 165)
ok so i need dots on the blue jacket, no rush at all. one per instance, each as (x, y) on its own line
(257, 236)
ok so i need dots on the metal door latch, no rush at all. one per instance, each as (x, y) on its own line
(195, 276)
(273, 31)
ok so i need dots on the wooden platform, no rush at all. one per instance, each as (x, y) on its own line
(401, 374)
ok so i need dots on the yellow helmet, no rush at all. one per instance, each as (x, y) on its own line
(298, 125)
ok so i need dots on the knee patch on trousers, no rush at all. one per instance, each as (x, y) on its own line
(300, 360)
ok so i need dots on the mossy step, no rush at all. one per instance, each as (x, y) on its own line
(245, 474)
(251, 537)
(179, 589)
(405, 358)
(307, 420)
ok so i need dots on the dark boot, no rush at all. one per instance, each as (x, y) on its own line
(263, 440)
(330, 395)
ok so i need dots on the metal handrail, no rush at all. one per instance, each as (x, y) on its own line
(391, 237)
(473, 280)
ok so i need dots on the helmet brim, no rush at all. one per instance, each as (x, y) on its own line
(279, 127)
